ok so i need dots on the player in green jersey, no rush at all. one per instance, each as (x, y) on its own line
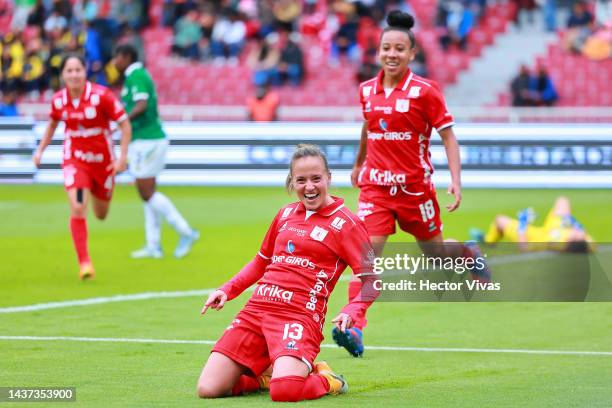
(147, 154)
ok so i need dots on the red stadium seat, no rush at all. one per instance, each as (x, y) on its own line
(579, 81)
(180, 81)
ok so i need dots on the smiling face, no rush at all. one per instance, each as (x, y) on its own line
(310, 180)
(395, 53)
(73, 74)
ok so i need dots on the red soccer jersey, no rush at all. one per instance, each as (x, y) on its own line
(87, 137)
(399, 129)
(306, 256)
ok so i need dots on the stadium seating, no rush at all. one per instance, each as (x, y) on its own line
(578, 80)
(494, 22)
(184, 82)
(325, 85)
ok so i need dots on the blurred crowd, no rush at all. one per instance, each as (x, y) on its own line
(270, 36)
(455, 19)
(42, 31)
(589, 30)
(533, 89)
(586, 31)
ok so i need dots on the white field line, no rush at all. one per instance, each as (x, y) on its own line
(109, 299)
(205, 292)
(116, 299)
(382, 348)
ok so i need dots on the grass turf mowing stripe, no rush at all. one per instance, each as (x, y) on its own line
(205, 292)
(381, 348)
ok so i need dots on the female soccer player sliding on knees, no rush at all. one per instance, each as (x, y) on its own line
(393, 168)
(89, 164)
(306, 249)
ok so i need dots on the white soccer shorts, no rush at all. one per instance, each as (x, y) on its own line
(147, 157)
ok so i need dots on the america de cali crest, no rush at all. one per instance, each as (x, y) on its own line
(402, 105)
(318, 233)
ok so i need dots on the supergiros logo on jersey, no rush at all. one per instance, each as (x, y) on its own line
(274, 293)
(382, 124)
(294, 260)
(392, 136)
(290, 247)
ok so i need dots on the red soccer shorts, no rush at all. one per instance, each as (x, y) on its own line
(255, 339)
(96, 179)
(414, 207)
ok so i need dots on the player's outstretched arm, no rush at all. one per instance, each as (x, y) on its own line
(343, 321)
(356, 308)
(361, 154)
(250, 273)
(216, 301)
(44, 141)
(454, 165)
(139, 108)
(126, 136)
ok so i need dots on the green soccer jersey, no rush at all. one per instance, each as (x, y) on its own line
(138, 85)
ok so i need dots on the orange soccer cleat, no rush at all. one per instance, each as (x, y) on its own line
(337, 383)
(264, 379)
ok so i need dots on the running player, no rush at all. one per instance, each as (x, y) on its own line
(560, 231)
(393, 168)
(147, 155)
(89, 164)
(307, 247)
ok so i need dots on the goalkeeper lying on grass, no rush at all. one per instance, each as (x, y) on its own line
(560, 231)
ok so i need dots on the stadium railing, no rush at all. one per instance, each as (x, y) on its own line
(244, 153)
(500, 114)
(17, 143)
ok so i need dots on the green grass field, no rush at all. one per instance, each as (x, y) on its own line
(38, 265)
